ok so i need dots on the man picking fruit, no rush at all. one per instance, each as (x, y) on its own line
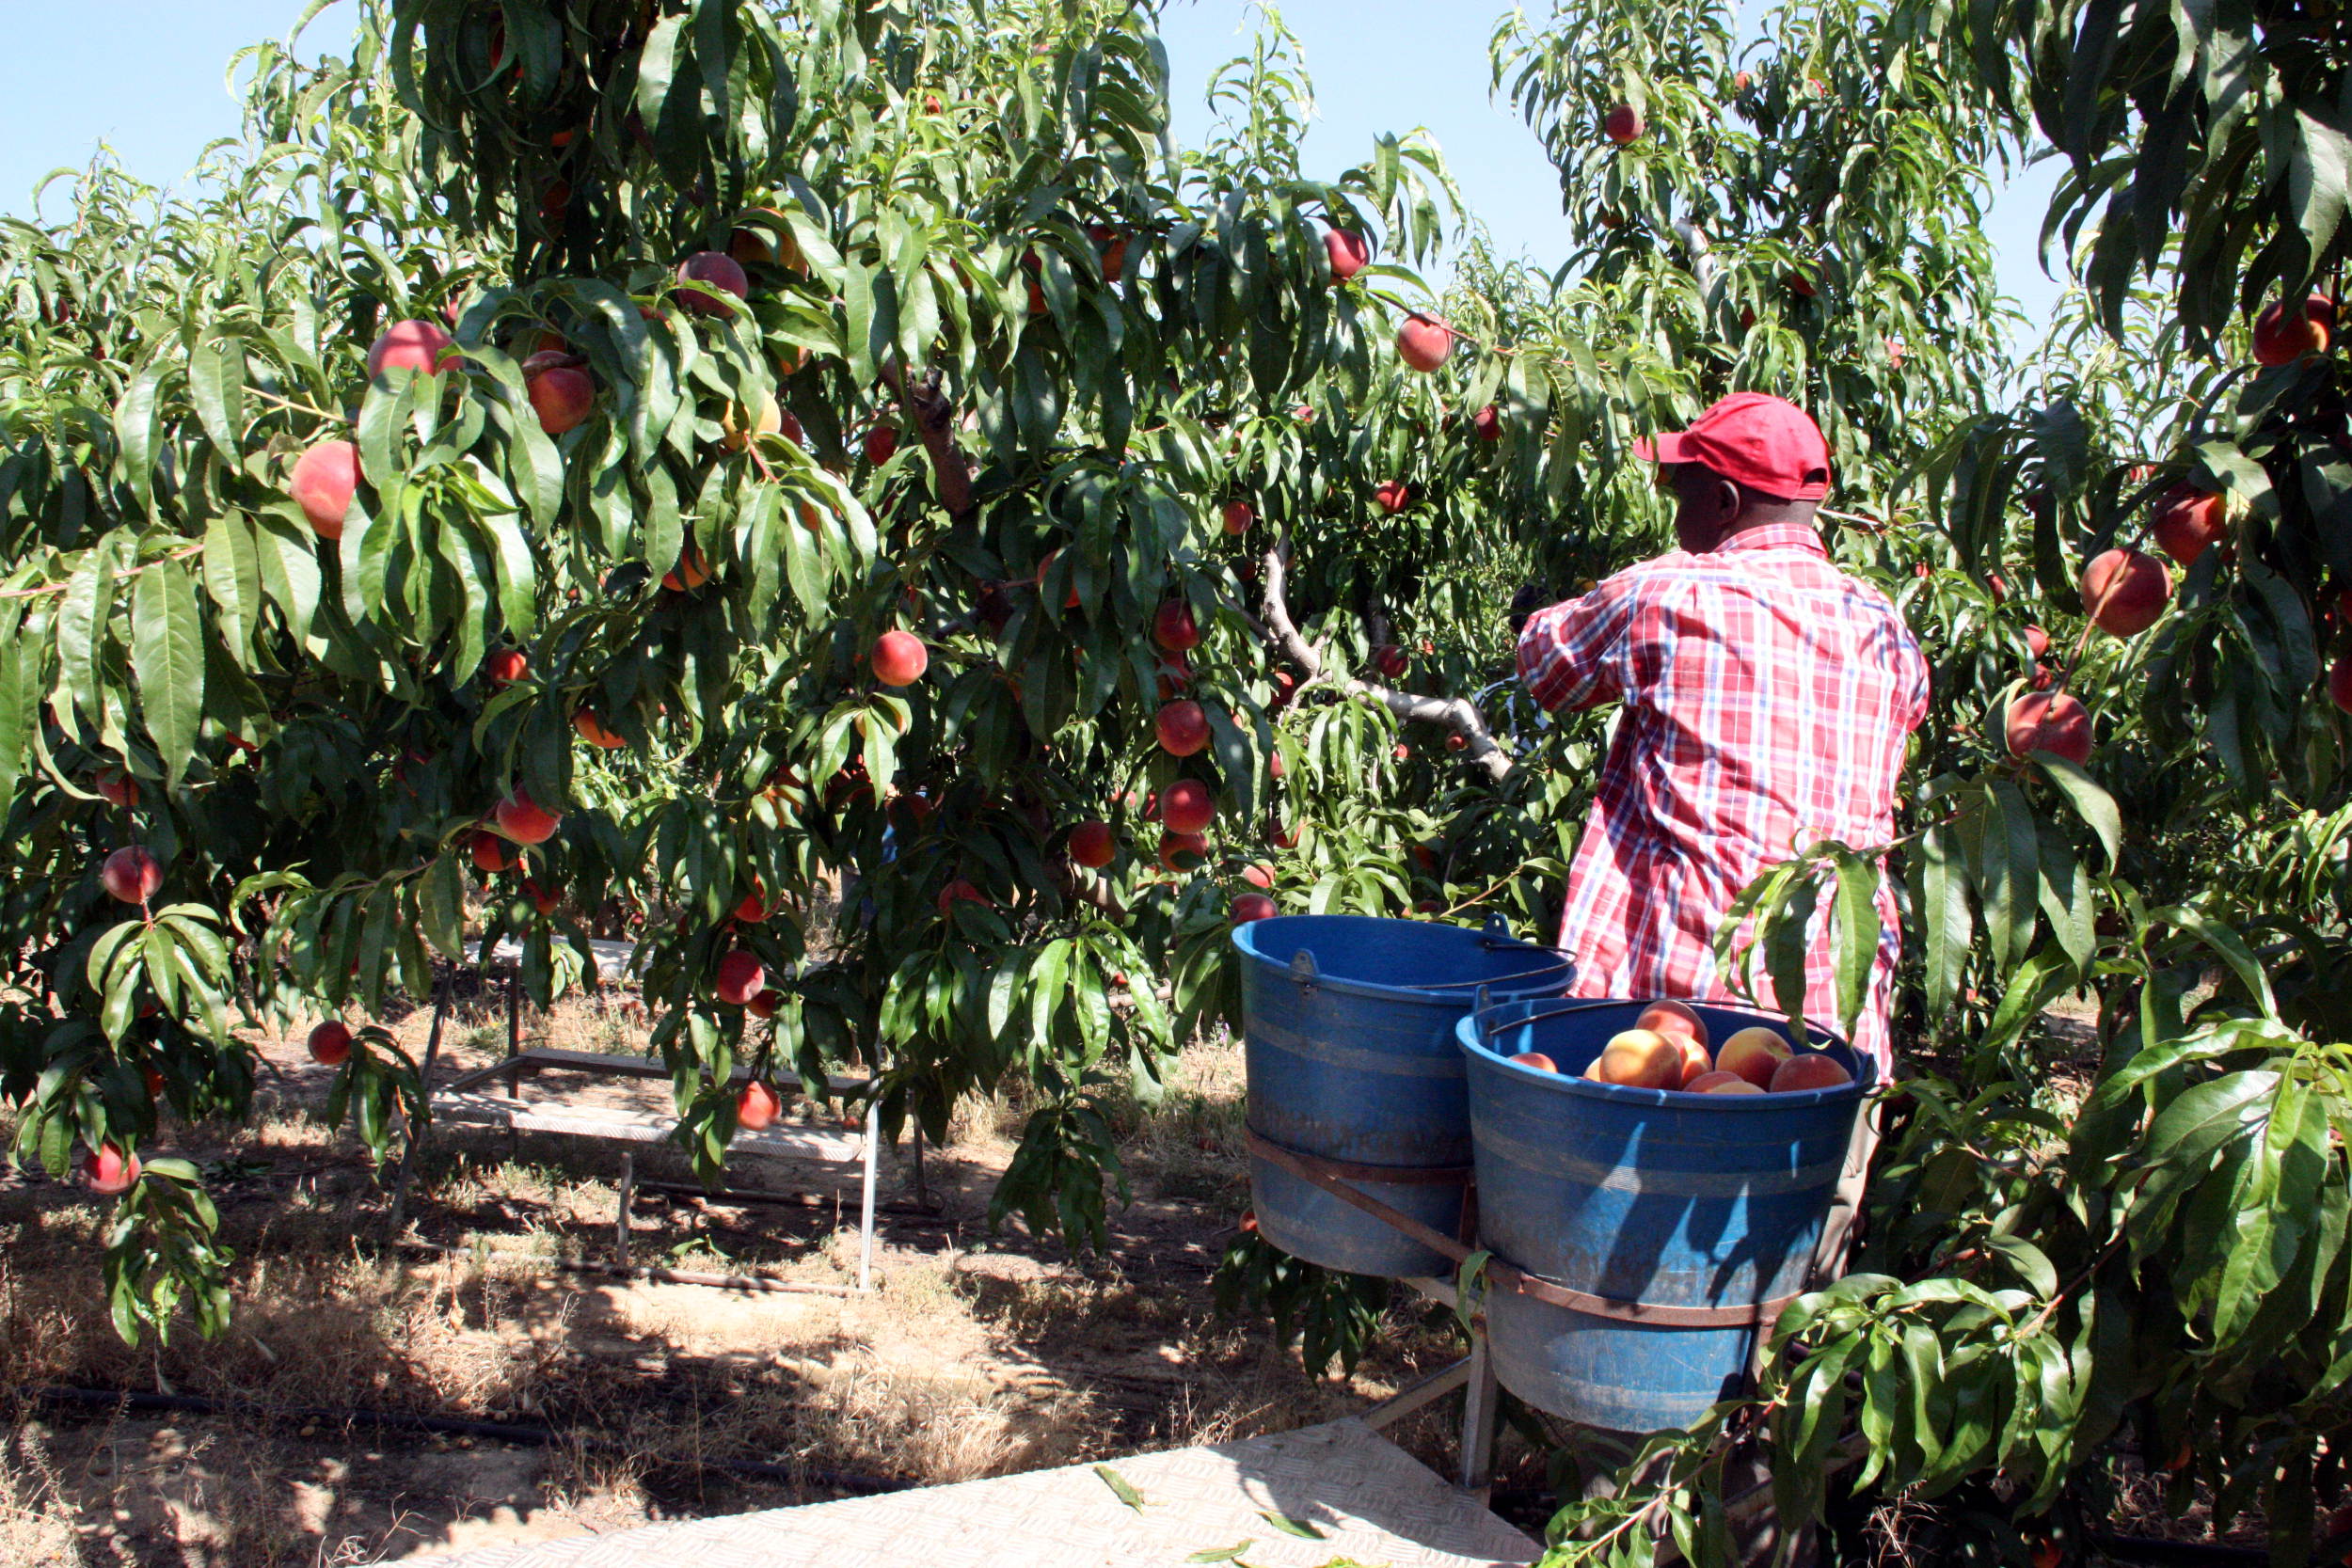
(1768, 698)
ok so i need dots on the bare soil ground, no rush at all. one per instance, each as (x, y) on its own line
(980, 1353)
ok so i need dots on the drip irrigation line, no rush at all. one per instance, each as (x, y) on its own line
(757, 1283)
(500, 1432)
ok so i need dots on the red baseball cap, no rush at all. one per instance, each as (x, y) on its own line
(1764, 442)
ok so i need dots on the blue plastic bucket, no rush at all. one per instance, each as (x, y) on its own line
(1348, 1029)
(1648, 1195)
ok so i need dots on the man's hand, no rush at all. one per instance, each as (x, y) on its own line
(1525, 603)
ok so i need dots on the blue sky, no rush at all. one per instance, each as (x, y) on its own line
(147, 76)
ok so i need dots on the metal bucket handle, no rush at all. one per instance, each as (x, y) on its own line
(1553, 1007)
(1304, 970)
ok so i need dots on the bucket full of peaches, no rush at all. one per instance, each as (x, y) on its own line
(1663, 1171)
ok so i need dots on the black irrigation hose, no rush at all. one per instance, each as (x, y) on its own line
(2187, 1554)
(198, 1404)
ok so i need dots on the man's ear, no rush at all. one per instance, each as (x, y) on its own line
(1727, 501)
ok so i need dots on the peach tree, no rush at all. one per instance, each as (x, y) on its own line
(2127, 568)
(591, 465)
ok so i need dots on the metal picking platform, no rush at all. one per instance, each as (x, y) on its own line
(1368, 1499)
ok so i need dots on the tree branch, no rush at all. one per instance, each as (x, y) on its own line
(1693, 240)
(934, 421)
(1453, 713)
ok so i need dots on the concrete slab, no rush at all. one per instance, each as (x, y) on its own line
(1374, 1503)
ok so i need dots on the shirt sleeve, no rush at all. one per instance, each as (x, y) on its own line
(1579, 653)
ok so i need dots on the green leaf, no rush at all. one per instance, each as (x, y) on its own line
(442, 902)
(2232, 948)
(1858, 933)
(1120, 1487)
(1303, 1529)
(232, 576)
(167, 659)
(1949, 918)
(216, 385)
(2091, 802)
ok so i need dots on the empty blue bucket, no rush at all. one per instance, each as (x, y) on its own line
(1349, 1031)
(1648, 1195)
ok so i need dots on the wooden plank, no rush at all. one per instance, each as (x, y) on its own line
(616, 1125)
(550, 1059)
(1364, 1499)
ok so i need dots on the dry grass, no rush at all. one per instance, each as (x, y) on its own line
(981, 1354)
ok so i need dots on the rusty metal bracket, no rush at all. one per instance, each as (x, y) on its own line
(1332, 1175)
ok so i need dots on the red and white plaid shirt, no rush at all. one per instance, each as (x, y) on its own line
(1769, 698)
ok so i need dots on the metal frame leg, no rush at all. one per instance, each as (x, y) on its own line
(1481, 1402)
(514, 1031)
(629, 1188)
(865, 1214)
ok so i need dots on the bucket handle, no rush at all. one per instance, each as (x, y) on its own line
(1549, 969)
(1496, 933)
(1303, 970)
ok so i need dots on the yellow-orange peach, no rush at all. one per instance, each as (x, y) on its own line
(1537, 1060)
(1753, 1054)
(1643, 1059)
(1810, 1071)
(1695, 1062)
(1720, 1082)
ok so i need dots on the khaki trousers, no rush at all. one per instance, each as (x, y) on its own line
(1830, 1253)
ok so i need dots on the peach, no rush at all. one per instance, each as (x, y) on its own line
(1695, 1061)
(1643, 1059)
(330, 1043)
(1623, 124)
(109, 1171)
(1238, 517)
(560, 393)
(2124, 591)
(707, 276)
(492, 853)
(592, 729)
(2340, 682)
(411, 345)
(2185, 521)
(1175, 847)
(959, 892)
(1187, 807)
(1090, 844)
(1174, 628)
(1753, 1054)
(2285, 333)
(1812, 1071)
(1253, 905)
(1720, 1082)
(325, 477)
(1349, 252)
(131, 875)
(1182, 728)
(1424, 341)
(692, 571)
(758, 1106)
(523, 819)
(2041, 722)
(1537, 1060)
(741, 977)
(1674, 1018)
(899, 658)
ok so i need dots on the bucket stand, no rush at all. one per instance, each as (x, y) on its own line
(1475, 1374)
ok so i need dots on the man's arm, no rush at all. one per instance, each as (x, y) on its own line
(1575, 655)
